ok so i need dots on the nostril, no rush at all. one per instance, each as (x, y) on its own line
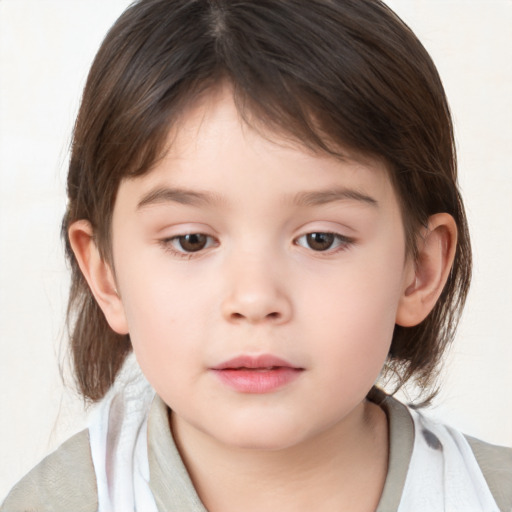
(271, 316)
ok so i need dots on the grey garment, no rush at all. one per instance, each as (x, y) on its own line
(494, 461)
(496, 465)
(62, 482)
(65, 480)
(176, 493)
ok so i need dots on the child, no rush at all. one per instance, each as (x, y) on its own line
(263, 206)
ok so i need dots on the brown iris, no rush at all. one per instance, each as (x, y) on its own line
(193, 242)
(320, 241)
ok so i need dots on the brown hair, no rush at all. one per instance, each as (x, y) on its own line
(330, 73)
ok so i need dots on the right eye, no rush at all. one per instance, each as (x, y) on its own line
(189, 243)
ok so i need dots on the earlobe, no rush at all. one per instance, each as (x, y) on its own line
(427, 276)
(98, 275)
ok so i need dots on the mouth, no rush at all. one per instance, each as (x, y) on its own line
(257, 374)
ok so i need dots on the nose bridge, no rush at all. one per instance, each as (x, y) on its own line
(256, 290)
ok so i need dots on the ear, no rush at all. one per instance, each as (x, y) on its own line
(98, 275)
(427, 275)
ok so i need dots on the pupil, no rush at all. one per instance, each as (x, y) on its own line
(192, 243)
(320, 241)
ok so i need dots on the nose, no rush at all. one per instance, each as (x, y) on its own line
(255, 293)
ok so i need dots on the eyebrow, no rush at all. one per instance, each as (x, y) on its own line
(162, 195)
(317, 198)
(177, 195)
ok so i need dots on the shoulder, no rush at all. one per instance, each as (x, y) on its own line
(496, 465)
(63, 481)
(495, 462)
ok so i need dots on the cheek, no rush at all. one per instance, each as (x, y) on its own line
(166, 317)
(355, 313)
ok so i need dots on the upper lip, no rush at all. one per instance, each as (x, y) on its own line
(248, 361)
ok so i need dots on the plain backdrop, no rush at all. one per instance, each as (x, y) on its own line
(46, 47)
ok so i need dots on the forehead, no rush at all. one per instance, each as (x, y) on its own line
(213, 148)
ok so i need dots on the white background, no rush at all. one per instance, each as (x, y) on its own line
(46, 47)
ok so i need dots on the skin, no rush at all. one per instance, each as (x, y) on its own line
(259, 286)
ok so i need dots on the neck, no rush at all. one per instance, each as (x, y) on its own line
(342, 468)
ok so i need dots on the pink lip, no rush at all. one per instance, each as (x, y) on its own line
(256, 374)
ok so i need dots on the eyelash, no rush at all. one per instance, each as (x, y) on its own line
(341, 243)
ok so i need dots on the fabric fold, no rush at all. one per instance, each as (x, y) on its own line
(443, 472)
(118, 438)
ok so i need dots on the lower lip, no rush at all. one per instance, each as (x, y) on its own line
(258, 381)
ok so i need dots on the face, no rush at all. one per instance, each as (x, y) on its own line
(259, 281)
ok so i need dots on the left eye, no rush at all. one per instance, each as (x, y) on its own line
(321, 241)
(192, 242)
